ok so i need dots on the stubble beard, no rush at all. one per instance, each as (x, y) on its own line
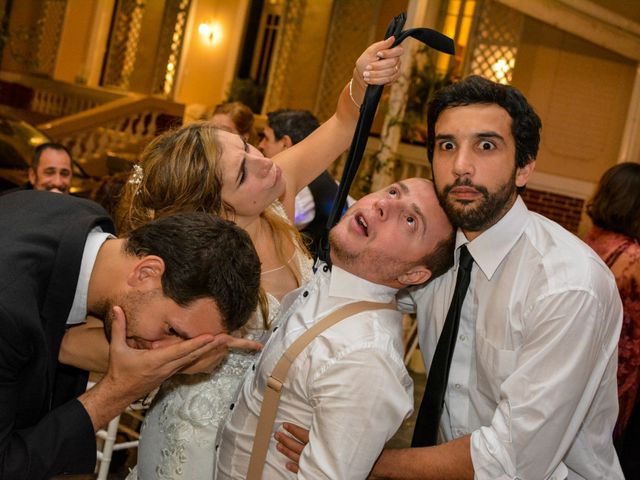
(486, 213)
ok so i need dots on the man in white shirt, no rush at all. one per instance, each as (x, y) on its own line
(532, 387)
(349, 386)
(531, 391)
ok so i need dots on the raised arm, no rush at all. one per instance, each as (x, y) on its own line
(302, 163)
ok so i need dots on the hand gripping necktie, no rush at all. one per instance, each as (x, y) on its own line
(431, 38)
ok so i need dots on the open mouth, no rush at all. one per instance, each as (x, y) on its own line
(362, 223)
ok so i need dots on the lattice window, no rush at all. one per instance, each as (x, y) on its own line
(495, 42)
(349, 34)
(123, 43)
(170, 47)
(267, 45)
(36, 47)
(290, 30)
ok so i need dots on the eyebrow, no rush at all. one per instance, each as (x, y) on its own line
(489, 134)
(414, 206)
(244, 160)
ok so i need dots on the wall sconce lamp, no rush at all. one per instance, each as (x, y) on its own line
(210, 32)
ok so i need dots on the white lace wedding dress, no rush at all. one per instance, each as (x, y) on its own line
(180, 429)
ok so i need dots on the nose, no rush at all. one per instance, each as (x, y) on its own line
(382, 208)
(462, 163)
(264, 166)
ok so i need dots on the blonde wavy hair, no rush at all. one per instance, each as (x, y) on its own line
(180, 172)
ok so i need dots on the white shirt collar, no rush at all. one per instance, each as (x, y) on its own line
(491, 247)
(347, 285)
(95, 239)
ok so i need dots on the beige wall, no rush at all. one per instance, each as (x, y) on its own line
(581, 92)
(207, 70)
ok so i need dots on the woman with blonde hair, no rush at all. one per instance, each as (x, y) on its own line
(204, 168)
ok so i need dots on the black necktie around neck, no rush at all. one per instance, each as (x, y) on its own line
(425, 433)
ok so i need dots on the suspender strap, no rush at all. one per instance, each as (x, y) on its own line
(277, 378)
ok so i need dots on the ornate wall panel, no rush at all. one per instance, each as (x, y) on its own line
(123, 43)
(494, 44)
(293, 17)
(170, 46)
(351, 30)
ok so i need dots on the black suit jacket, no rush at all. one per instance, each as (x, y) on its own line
(43, 429)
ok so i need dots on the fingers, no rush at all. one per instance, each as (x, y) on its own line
(380, 64)
(208, 362)
(118, 328)
(292, 446)
(243, 343)
(299, 433)
(291, 449)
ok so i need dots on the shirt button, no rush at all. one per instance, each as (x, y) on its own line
(462, 338)
(231, 406)
(325, 268)
(253, 367)
(457, 386)
(275, 328)
(217, 447)
(305, 294)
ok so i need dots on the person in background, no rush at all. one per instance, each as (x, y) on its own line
(235, 117)
(615, 212)
(51, 168)
(284, 129)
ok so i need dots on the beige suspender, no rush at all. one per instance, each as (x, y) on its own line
(279, 375)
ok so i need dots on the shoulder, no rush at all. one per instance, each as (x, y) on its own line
(559, 258)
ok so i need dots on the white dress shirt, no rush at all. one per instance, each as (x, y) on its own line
(349, 387)
(95, 239)
(533, 376)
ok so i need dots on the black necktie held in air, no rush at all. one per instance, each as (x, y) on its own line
(431, 38)
(425, 433)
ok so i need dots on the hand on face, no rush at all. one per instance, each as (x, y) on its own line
(135, 372)
(208, 362)
(379, 64)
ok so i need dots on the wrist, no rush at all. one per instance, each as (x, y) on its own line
(357, 87)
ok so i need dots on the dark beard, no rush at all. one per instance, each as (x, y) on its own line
(483, 216)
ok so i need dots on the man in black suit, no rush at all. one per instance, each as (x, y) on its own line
(165, 293)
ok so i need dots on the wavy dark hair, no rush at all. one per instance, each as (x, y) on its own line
(525, 123)
(205, 257)
(616, 204)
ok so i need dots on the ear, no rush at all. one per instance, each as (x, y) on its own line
(32, 176)
(523, 173)
(286, 141)
(417, 275)
(146, 273)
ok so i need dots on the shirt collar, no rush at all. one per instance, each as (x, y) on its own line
(492, 246)
(95, 239)
(346, 285)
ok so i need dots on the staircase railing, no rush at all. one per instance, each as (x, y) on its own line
(122, 125)
(53, 98)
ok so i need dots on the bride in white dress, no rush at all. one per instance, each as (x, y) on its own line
(199, 167)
